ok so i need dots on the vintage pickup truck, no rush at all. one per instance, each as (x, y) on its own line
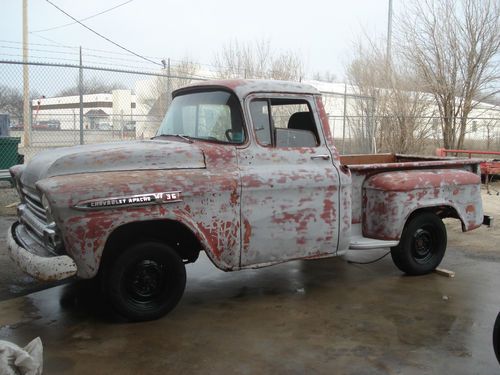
(243, 170)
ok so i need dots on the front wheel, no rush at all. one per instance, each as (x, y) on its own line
(422, 245)
(145, 281)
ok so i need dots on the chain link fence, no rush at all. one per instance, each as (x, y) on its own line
(71, 104)
(357, 129)
(420, 135)
(75, 104)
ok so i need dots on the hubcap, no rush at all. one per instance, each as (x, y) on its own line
(146, 280)
(422, 245)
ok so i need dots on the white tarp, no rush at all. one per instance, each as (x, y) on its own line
(21, 361)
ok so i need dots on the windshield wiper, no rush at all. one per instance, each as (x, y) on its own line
(185, 137)
(181, 136)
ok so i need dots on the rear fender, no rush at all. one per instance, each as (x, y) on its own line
(390, 198)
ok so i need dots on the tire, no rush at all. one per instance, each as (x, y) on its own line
(496, 338)
(145, 281)
(422, 245)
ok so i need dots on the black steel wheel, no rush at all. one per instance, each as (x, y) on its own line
(145, 281)
(496, 338)
(422, 245)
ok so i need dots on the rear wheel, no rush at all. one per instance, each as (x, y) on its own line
(145, 281)
(496, 338)
(422, 245)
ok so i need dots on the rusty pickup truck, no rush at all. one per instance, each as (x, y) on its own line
(243, 170)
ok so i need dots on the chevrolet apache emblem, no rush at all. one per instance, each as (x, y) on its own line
(128, 201)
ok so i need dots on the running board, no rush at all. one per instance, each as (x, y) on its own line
(358, 242)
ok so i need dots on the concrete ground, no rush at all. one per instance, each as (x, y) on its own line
(323, 316)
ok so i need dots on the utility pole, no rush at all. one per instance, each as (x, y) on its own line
(80, 91)
(26, 80)
(389, 34)
(169, 84)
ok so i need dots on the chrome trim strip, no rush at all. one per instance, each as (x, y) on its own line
(130, 201)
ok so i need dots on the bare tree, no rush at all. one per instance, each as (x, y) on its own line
(156, 94)
(452, 45)
(388, 108)
(178, 75)
(11, 101)
(257, 60)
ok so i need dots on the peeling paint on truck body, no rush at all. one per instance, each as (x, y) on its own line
(389, 198)
(247, 205)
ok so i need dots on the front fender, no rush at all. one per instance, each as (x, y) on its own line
(390, 198)
(87, 234)
(209, 208)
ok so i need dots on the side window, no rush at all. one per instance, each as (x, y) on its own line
(282, 113)
(290, 123)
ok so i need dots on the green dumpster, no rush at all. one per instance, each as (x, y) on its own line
(8, 152)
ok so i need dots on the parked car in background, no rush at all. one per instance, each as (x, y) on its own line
(104, 126)
(47, 125)
(129, 126)
(16, 126)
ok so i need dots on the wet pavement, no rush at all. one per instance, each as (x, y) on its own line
(303, 317)
(13, 282)
(323, 316)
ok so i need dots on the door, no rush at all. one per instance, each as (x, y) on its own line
(290, 186)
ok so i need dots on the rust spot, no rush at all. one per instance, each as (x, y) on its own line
(247, 233)
(329, 213)
(234, 197)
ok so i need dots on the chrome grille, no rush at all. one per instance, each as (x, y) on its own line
(34, 204)
(33, 216)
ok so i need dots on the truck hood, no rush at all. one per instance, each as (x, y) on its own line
(109, 157)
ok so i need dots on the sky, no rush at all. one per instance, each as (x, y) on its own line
(322, 33)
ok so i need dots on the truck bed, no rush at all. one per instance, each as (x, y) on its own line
(400, 161)
(366, 165)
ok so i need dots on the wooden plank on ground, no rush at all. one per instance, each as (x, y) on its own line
(444, 272)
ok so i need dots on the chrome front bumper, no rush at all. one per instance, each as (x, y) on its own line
(35, 260)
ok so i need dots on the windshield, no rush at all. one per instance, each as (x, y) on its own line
(212, 115)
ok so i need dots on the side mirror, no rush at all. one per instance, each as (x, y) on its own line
(234, 136)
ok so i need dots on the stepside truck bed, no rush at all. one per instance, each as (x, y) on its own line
(391, 170)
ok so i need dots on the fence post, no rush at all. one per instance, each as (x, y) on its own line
(372, 127)
(27, 123)
(80, 92)
(169, 85)
(121, 125)
(344, 119)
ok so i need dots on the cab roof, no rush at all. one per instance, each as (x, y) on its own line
(244, 87)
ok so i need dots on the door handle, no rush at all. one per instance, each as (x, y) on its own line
(322, 156)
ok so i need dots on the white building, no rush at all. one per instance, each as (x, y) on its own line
(100, 111)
